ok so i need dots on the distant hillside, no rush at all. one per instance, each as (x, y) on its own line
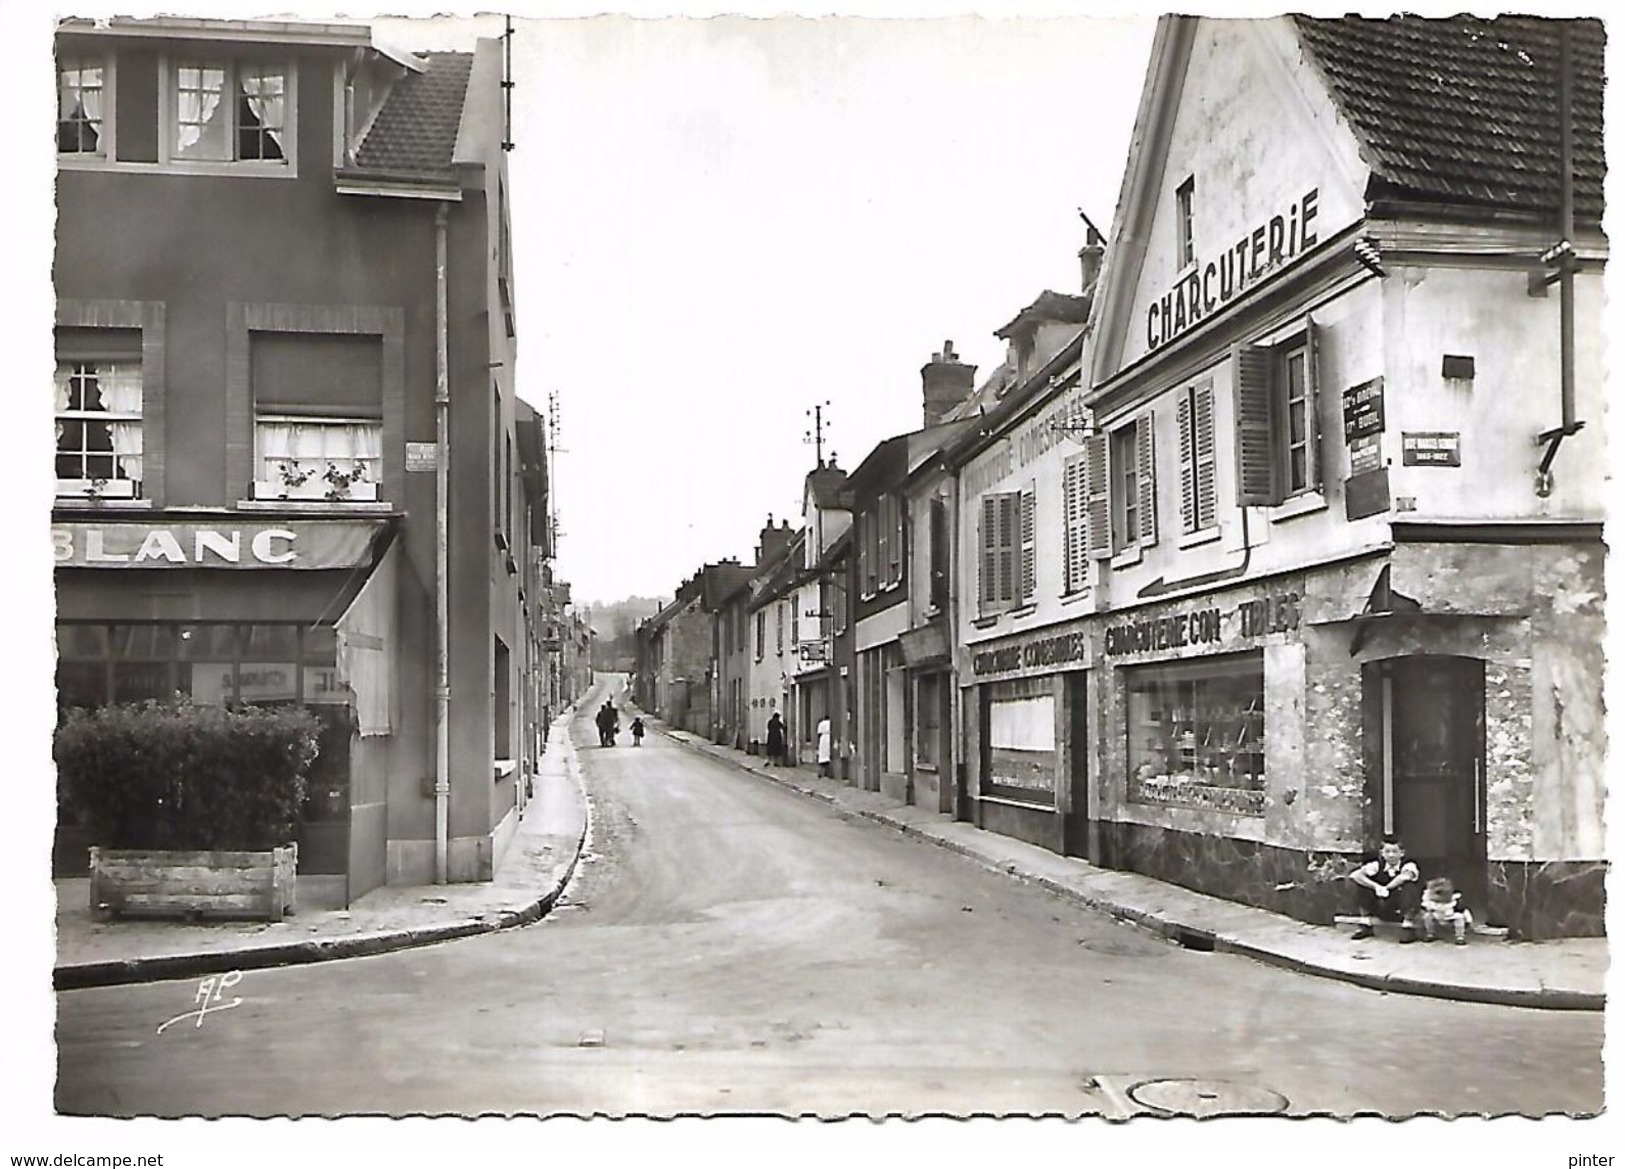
(616, 623)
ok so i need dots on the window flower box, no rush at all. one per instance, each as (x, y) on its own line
(316, 488)
(96, 488)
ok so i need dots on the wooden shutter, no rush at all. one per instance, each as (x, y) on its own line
(1311, 404)
(1207, 513)
(986, 539)
(882, 514)
(1145, 443)
(1005, 590)
(1097, 489)
(1188, 521)
(1077, 525)
(1029, 543)
(1257, 477)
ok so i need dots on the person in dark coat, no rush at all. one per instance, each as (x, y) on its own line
(609, 724)
(637, 732)
(775, 740)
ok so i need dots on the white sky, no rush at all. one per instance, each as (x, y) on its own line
(720, 223)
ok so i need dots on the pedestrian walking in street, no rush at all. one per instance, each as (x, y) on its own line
(775, 740)
(1390, 890)
(637, 732)
(609, 724)
(823, 746)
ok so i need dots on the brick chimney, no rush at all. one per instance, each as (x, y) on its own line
(774, 540)
(947, 382)
(1090, 257)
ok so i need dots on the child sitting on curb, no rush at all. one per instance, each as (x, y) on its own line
(1389, 890)
(1441, 906)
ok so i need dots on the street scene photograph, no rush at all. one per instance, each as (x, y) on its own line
(818, 584)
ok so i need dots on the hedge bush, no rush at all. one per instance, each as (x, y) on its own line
(171, 775)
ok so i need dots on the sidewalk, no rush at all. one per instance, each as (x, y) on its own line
(1567, 974)
(535, 868)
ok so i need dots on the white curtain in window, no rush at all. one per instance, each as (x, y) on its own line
(121, 394)
(263, 92)
(80, 98)
(63, 373)
(200, 130)
(314, 445)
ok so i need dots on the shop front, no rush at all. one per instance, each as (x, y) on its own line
(233, 614)
(1026, 737)
(1258, 742)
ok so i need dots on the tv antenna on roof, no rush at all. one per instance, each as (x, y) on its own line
(816, 434)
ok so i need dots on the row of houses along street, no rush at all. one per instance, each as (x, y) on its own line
(1280, 534)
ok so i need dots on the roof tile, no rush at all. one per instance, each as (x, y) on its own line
(1465, 109)
(415, 132)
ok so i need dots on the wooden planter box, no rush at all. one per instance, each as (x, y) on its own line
(159, 883)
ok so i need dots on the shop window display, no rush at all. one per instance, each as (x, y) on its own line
(1021, 755)
(1196, 734)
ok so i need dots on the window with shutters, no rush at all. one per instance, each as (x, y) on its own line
(880, 547)
(1132, 478)
(761, 633)
(892, 517)
(1277, 422)
(937, 555)
(1008, 545)
(1075, 555)
(1198, 505)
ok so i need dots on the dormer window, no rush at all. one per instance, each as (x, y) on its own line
(1184, 199)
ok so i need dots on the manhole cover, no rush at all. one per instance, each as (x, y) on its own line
(1207, 1098)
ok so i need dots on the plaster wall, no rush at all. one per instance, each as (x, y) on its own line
(1256, 136)
(1515, 393)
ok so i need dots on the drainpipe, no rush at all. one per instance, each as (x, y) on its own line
(442, 559)
(1563, 256)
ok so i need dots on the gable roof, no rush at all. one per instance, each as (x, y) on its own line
(1464, 110)
(415, 131)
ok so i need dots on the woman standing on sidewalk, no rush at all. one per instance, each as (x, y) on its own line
(775, 740)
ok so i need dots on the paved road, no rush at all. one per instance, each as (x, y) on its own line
(731, 947)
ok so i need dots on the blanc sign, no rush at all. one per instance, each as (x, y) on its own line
(290, 545)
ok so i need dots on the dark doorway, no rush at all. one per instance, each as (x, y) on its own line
(1431, 791)
(1081, 834)
(324, 821)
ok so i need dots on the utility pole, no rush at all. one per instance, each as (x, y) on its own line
(507, 83)
(553, 452)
